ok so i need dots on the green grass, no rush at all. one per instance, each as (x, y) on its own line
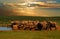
(30, 34)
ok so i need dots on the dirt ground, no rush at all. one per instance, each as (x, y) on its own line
(58, 28)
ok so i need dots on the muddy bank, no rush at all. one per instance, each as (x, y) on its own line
(3, 25)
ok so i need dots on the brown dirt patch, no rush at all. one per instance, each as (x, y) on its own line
(58, 28)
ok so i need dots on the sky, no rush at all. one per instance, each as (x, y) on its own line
(30, 11)
(58, 1)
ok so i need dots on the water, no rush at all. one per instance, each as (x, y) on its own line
(5, 28)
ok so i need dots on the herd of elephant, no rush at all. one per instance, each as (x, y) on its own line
(33, 25)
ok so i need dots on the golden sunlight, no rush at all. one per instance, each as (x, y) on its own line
(29, 0)
(25, 12)
(41, 3)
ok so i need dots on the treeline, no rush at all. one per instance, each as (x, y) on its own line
(7, 18)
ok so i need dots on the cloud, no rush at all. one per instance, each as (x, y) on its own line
(50, 1)
(48, 4)
(25, 11)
